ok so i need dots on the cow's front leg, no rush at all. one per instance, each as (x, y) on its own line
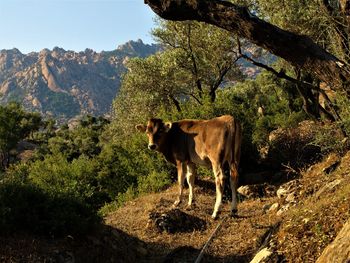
(191, 175)
(181, 173)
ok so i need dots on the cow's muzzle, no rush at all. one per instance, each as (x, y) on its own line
(152, 146)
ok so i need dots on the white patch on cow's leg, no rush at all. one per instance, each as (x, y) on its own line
(233, 183)
(191, 174)
(219, 182)
(181, 171)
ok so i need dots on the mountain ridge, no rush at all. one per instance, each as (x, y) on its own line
(63, 83)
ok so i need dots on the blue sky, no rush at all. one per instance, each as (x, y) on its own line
(31, 25)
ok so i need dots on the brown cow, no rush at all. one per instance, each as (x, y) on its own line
(187, 143)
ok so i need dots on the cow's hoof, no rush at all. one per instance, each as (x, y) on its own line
(234, 213)
(176, 203)
(191, 205)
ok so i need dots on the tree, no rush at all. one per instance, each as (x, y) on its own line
(325, 22)
(299, 50)
(198, 59)
(206, 54)
(15, 125)
(150, 83)
(81, 140)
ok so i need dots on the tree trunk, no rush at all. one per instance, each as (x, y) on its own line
(299, 50)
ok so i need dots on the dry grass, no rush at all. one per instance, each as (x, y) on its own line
(305, 230)
(310, 226)
(237, 241)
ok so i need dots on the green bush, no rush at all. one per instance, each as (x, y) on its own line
(154, 182)
(26, 207)
(123, 165)
(329, 138)
(56, 175)
(50, 197)
(117, 170)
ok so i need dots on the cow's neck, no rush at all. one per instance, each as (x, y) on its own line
(167, 149)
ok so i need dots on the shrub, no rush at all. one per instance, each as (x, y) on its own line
(294, 146)
(26, 207)
(50, 197)
(329, 138)
(56, 175)
(131, 163)
(154, 182)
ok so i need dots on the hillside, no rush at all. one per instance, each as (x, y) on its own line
(303, 215)
(295, 221)
(63, 84)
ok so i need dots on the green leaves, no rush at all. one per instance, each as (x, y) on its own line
(198, 59)
(15, 125)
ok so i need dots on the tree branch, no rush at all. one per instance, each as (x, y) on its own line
(176, 103)
(279, 74)
(193, 96)
(297, 81)
(194, 63)
(299, 50)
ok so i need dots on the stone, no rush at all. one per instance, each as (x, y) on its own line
(291, 198)
(283, 209)
(274, 207)
(327, 187)
(244, 190)
(261, 255)
(287, 188)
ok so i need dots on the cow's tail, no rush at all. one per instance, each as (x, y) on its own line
(236, 142)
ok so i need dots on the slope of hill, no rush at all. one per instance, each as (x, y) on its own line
(64, 83)
(293, 222)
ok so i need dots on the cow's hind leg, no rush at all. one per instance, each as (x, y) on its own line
(191, 174)
(219, 182)
(181, 172)
(234, 184)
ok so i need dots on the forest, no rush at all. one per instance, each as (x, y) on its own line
(62, 180)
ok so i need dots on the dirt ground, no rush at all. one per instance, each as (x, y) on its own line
(237, 240)
(148, 229)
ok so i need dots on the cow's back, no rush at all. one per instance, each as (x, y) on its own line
(203, 141)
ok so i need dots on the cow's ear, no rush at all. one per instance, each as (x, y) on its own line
(140, 127)
(167, 126)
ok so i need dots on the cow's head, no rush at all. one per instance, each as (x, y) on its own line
(156, 131)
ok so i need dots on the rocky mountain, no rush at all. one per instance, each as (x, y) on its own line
(62, 83)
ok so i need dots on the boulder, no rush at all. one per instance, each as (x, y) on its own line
(257, 190)
(261, 255)
(288, 188)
